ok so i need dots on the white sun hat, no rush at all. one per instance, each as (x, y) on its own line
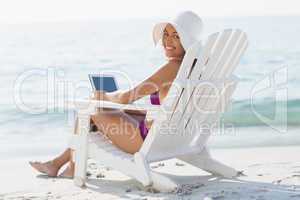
(188, 26)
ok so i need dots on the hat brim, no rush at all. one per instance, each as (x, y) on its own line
(158, 31)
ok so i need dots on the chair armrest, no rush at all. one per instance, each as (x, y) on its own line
(93, 104)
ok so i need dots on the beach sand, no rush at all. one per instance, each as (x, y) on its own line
(271, 173)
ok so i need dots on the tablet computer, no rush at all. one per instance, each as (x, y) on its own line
(103, 82)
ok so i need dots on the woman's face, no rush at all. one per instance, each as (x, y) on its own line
(171, 43)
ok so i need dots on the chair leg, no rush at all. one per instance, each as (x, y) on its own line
(204, 161)
(149, 178)
(161, 182)
(81, 150)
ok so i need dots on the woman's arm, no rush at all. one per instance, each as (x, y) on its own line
(162, 77)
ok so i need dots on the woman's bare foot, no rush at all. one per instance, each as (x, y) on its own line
(68, 172)
(48, 168)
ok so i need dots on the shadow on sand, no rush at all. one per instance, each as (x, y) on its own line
(196, 187)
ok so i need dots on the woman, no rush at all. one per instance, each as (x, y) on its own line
(127, 131)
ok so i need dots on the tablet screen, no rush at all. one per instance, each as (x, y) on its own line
(101, 82)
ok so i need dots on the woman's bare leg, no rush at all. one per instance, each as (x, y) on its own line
(69, 171)
(52, 167)
(120, 128)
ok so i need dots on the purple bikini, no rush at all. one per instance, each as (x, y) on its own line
(154, 98)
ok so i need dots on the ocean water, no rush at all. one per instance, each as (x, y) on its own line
(43, 64)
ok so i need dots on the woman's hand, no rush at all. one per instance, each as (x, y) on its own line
(100, 95)
(116, 97)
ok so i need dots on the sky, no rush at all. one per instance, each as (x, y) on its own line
(18, 11)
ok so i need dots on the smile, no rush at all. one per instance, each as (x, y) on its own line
(170, 48)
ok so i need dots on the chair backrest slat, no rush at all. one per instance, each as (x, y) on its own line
(224, 67)
(212, 70)
(187, 92)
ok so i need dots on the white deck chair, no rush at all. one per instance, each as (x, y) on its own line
(191, 102)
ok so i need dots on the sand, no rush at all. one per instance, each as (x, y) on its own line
(271, 173)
